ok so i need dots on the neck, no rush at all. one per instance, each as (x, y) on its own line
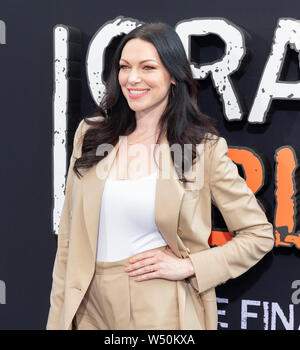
(146, 123)
(147, 120)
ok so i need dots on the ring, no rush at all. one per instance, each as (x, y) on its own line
(150, 269)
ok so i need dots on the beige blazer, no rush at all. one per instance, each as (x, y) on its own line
(183, 216)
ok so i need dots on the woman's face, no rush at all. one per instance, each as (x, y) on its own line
(144, 80)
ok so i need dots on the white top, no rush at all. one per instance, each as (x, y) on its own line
(127, 219)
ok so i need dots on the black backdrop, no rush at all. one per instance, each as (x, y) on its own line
(28, 245)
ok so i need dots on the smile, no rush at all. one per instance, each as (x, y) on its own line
(133, 94)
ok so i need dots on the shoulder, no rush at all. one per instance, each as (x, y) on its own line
(85, 124)
(212, 144)
(89, 122)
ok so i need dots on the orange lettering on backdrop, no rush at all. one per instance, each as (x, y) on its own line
(286, 201)
(254, 171)
(219, 237)
(252, 166)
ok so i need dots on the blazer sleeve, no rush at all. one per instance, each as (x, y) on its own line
(253, 234)
(59, 269)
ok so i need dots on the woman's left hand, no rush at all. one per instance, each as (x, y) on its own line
(159, 263)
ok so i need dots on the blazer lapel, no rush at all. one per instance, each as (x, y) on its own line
(93, 184)
(169, 194)
(168, 197)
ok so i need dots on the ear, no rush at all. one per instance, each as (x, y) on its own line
(173, 81)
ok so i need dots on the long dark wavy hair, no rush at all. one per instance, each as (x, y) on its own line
(182, 120)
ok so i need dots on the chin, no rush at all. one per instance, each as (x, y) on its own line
(136, 108)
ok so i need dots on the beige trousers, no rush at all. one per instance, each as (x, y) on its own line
(114, 300)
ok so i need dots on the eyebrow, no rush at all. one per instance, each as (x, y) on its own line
(122, 59)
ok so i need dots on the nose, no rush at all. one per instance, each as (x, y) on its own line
(134, 77)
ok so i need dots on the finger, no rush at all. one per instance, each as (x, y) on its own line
(147, 276)
(142, 256)
(144, 270)
(140, 264)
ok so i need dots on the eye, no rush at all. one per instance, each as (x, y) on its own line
(149, 67)
(122, 66)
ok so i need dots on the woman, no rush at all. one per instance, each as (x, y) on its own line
(133, 248)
